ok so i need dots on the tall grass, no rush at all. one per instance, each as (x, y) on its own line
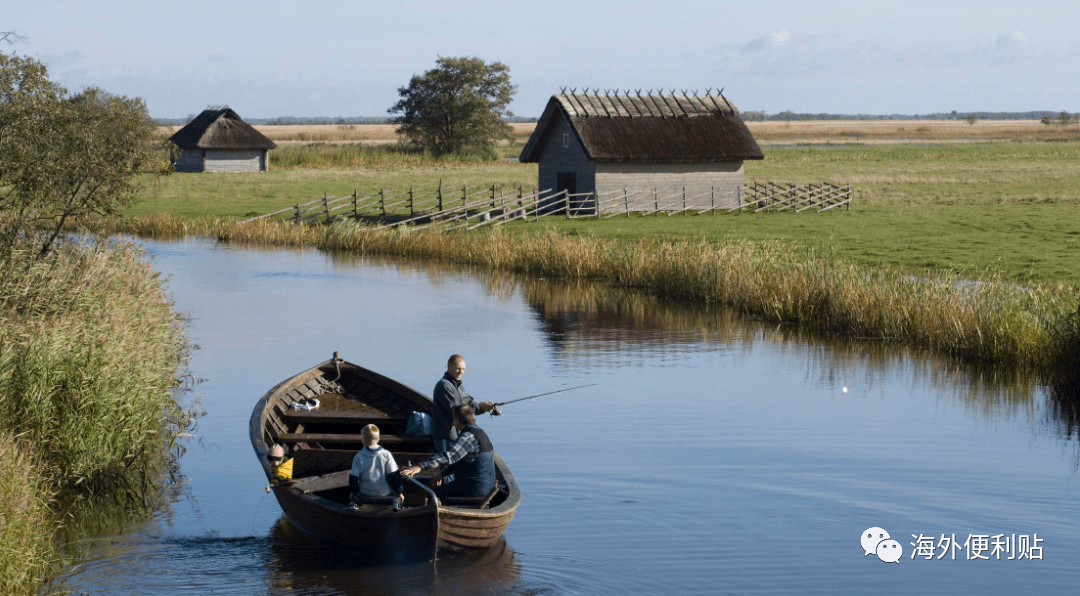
(88, 350)
(989, 320)
(26, 523)
(387, 155)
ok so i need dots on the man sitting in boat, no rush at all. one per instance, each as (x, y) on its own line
(448, 394)
(374, 475)
(280, 471)
(470, 454)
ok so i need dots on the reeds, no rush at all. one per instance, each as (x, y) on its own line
(26, 523)
(988, 320)
(387, 155)
(88, 350)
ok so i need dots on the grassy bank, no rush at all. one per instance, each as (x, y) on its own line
(1007, 208)
(984, 318)
(88, 351)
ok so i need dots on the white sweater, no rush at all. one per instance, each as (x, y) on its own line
(371, 465)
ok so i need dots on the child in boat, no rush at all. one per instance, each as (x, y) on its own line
(374, 475)
(280, 471)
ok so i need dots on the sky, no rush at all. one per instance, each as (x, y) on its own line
(273, 58)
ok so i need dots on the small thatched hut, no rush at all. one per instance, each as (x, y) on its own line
(218, 140)
(604, 144)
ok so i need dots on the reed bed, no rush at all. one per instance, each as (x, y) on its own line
(391, 155)
(989, 320)
(88, 352)
(26, 522)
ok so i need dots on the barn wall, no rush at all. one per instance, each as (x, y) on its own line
(704, 182)
(189, 160)
(234, 161)
(554, 158)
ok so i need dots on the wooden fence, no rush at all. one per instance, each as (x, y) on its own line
(476, 206)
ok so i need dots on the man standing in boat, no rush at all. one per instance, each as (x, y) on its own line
(472, 458)
(448, 394)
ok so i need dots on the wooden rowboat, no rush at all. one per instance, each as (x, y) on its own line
(322, 443)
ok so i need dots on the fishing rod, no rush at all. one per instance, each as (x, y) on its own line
(495, 407)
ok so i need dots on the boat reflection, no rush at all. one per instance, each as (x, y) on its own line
(300, 565)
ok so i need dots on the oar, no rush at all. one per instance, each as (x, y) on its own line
(495, 407)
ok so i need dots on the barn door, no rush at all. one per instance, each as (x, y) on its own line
(566, 181)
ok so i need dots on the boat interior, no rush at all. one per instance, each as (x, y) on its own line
(322, 441)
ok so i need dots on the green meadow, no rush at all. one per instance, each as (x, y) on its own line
(1007, 208)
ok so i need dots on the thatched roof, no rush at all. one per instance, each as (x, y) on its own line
(648, 128)
(220, 129)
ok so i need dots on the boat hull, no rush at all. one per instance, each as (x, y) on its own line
(322, 442)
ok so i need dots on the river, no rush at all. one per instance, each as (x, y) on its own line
(715, 455)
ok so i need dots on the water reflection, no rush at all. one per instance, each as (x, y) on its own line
(299, 565)
(587, 324)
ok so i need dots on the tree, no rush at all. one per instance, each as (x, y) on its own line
(63, 157)
(456, 107)
(972, 118)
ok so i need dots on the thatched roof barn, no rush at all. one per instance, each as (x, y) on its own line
(662, 144)
(218, 140)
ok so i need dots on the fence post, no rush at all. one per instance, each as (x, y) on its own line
(440, 195)
(684, 200)
(412, 211)
(626, 202)
(712, 200)
(382, 201)
(326, 207)
(297, 216)
(656, 201)
(354, 214)
(492, 195)
(566, 199)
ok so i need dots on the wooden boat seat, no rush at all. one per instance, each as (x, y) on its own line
(478, 502)
(345, 438)
(315, 484)
(330, 417)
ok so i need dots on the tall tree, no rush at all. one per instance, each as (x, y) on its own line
(457, 107)
(64, 157)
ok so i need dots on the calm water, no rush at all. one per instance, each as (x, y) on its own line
(713, 456)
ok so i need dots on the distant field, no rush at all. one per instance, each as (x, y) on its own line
(847, 131)
(810, 131)
(344, 133)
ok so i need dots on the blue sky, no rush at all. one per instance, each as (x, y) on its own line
(270, 58)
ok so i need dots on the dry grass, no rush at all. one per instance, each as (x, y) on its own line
(368, 134)
(990, 320)
(847, 131)
(804, 131)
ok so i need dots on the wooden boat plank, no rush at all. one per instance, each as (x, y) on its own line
(318, 416)
(329, 481)
(453, 518)
(344, 438)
